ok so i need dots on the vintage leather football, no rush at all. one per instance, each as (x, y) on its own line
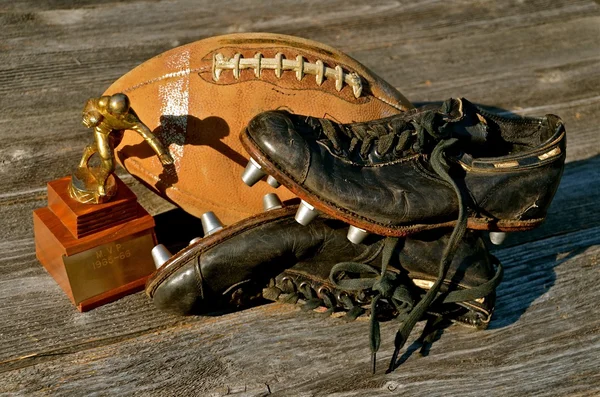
(198, 97)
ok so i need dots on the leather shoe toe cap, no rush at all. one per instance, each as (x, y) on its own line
(280, 139)
(180, 293)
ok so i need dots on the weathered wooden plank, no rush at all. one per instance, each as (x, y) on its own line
(539, 323)
(531, 58)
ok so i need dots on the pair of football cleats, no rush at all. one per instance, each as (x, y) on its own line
(390, 220)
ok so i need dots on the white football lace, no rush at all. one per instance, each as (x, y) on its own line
(280, 64)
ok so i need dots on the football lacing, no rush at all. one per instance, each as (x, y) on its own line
(280, 64)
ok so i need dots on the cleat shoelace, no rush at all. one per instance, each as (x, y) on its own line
(419, 132)
(429, 127)
(354, 293)
(387, 285)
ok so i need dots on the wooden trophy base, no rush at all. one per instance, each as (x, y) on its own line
(97, 253)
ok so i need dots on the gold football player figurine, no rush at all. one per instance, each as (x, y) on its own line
(109, 116)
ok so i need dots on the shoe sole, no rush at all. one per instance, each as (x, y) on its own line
(192, 251)
(356, 220)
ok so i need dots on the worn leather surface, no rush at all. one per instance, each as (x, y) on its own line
(402, 189)
(199, 117)
(240, 264)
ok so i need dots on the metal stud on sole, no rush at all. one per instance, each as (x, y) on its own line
(210, 223)
(306, 213)
(253, 173)
(271, 202)
(273, 182)
(195, 240)
(497, 238)
(356, 235)
(160, 254)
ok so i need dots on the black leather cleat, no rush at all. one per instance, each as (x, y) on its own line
(417, 170)
(227, 268)
(322, 282)
(272, 256)
(270, 253)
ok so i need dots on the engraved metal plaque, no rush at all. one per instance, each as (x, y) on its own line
(109, 266)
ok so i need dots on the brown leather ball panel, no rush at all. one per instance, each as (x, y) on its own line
(198, 97)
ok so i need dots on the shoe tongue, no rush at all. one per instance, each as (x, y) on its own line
(464, 121)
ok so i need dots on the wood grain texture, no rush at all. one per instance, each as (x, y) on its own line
(532, 57)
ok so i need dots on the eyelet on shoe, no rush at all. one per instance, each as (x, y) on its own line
(323, 289)
(329, 300)
(343, 298)
(304, 284)
(341, 295)
(306, 289)
(362, 298)
(286, 280)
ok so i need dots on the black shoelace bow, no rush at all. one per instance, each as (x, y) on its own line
(428, 125)
(387, 286)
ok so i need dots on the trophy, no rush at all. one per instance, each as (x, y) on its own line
(93, 237)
